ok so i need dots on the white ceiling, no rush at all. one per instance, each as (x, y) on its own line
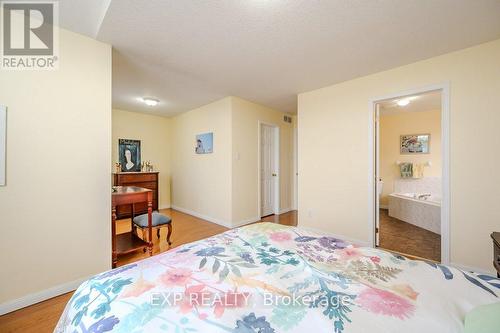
(430, 101)
(83, 16)
(188, 53)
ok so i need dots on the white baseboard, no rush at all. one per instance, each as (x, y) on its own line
(203, 216)
(245, 222)
(227, 224)
(40, 296)
(285, 210)
(215, 220)
(164, 207)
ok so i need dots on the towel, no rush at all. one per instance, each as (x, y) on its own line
(406, 170)
(418, 170)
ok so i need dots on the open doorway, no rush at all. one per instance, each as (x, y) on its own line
(411, 174)
(269, 191)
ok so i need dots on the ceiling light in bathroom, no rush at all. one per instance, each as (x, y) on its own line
(403, 102)
(150, 101)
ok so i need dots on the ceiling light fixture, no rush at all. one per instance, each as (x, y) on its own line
(403, 102)
(150, 101)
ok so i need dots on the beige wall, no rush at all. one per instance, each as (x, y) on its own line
(391, 128)
(154, 133)
(246, 117)
(222, 187)
(334, 151)
(201, 183)
(55, 209)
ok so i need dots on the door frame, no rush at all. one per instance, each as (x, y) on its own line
(376, 109)
(445, 160)
(295, 169)
(276, 130)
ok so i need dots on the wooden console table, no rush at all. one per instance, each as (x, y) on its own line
(128, 242)
(140, 179)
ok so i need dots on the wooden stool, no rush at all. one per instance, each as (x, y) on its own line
(158, 221)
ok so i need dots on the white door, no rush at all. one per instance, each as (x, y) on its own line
(377, 174)
(267, 170)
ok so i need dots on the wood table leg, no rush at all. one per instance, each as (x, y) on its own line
(132, 210)
(150, 225)
(169, 233)
(114, 256)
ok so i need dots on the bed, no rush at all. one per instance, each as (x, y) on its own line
(269, 278)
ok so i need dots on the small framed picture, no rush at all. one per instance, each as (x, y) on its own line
(204, 143)
(415, 143)
(130, 155)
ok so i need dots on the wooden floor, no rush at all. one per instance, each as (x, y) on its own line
(185, 229)
(43, 317)
(406, 238)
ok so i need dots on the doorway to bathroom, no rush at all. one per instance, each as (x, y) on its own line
(411, 174)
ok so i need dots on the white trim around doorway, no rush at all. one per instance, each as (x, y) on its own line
(445, 156)
(276, 208)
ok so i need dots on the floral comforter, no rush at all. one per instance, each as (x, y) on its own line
(271, 278)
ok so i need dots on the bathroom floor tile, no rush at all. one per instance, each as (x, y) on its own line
(407, 238)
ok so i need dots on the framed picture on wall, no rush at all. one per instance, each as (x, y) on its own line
(130, 155)
(204, 143)
(3, 143)
(415, 143)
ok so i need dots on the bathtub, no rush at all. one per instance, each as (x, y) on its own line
(420, 209)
